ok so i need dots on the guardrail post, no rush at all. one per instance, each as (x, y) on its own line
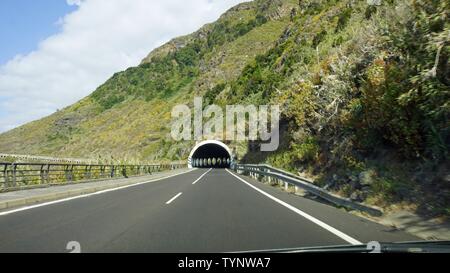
(6, 174)
(47, 174)
(87, 171)
(124, 171)
(41, 174)
(69, 173)
(102, 171)
(14, 173)
(44, 173)
(262, 177)
(66, 173)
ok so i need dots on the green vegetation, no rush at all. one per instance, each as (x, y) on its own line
(166, 75)
(360, 84)
(226, 32)
(157, 79)
(364, 92)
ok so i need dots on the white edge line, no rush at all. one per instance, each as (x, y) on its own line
(316, 221)
(89, 194)
(173, 198)
(195, 182)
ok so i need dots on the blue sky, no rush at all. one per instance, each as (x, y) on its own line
(65, 49)
(25, 23)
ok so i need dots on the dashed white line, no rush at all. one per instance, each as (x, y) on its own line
(316, 221)
(195, 182)
(173, 198)
(90, 194)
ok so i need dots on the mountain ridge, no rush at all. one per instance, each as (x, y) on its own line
(58, 132)
(363, 91)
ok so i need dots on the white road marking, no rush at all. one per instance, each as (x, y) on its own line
(90, 194)
(195, 182)
(173, 198)
(316, 221)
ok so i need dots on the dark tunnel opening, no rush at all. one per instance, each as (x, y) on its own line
(211, 156)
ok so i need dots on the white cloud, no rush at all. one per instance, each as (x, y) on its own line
(73, 2)
(99, 38)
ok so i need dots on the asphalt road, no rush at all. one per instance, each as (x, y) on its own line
(220, 212)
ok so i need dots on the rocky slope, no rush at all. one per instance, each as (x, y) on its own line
(364, 91)
(129, 115)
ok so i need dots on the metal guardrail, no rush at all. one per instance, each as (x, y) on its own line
(14, 176)
(35, 158)
(297, 181)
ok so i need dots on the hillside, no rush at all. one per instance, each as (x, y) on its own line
(364, 92)
(118, 119)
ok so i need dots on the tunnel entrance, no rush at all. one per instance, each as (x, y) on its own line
(210, 154)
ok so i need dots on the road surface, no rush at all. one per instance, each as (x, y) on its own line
(199, 211)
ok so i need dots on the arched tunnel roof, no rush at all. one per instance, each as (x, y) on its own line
(210, 149)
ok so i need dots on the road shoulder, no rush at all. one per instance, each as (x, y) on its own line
(17, 199)
(358, 227)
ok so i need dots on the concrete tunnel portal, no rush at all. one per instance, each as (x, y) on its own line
(210, 154)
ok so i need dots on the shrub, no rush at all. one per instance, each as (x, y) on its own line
(306, 150)
(319, 38)
(211, 95)
(343, 19)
